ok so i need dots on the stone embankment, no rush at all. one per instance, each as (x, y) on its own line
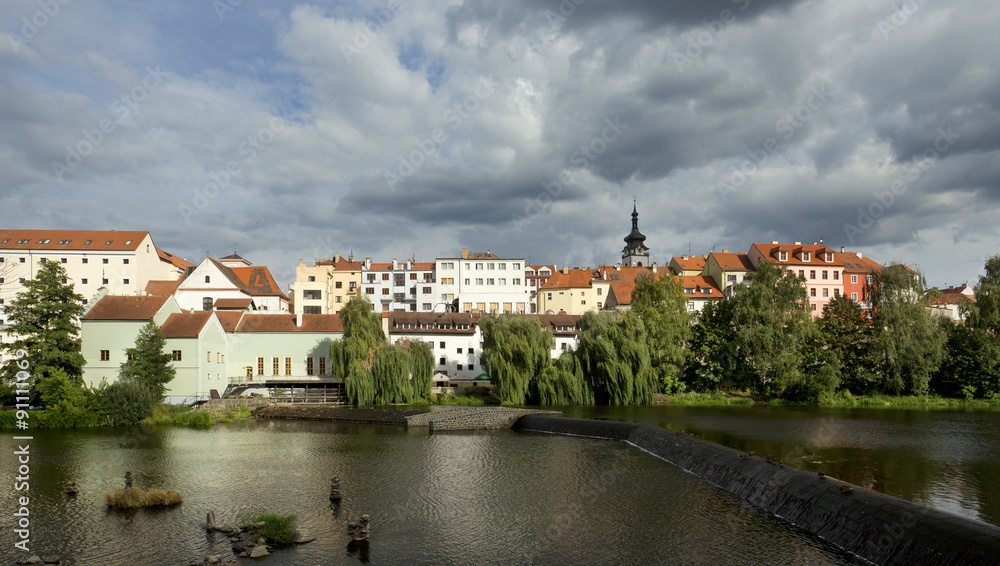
(874, 526)
(472, 418)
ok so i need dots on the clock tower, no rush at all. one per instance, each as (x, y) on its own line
(635, 253)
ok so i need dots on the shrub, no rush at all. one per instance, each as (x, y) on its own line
(194, 418)
(274, 527)
(134, 497)
(127, 402)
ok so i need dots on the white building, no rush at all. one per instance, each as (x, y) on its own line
(483, 282)
(235, 279)
(400, 286)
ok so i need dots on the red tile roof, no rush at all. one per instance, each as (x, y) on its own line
(436, 323)
(342, 265)
(855, 264)
(733, 262)
(155, 287)
(241, 303)
(690, 263)
(700, 283)
(185, 325)
(627, 274)
(951, 299)
(256, 280)
(73, 240)
(575, 279)
(622, 292)
(116, 307)
(229, 319)
(770, 251)
(286, 323)
(170, 258)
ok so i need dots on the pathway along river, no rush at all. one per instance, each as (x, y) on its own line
(948, 460)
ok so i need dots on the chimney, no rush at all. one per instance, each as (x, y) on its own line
(798, 243)
(725, 250)
(465, 253)
(395, 264)
(298, 320)
(336, 258)
(774, 242)
(618, 267)
(841, 249)
(685, 256)
(859, 254)
(654, 268)
(565, 269)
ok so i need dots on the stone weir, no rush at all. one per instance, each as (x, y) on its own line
(440, 419)
(871, 525)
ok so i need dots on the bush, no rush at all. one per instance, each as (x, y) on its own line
(127, 402)
(272, 526)
(194, 418)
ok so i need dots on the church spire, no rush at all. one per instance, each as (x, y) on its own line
(635, 252)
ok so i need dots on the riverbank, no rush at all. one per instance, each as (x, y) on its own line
(723, 399)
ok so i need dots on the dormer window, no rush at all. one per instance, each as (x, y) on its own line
(829, 257)
(782, 256)
(108, 243)
(806, 256)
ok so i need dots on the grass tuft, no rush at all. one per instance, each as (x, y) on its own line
(274, 527)
(134, 498)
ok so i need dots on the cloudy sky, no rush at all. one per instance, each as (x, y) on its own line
(415, 128)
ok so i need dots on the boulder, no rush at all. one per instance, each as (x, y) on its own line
(34, 559)
(259, 551)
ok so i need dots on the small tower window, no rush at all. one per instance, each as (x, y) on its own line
(208, 279)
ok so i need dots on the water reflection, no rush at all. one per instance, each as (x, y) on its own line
(498, 498)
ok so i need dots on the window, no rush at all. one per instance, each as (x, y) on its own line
(814, 307)
(583, 302)
(805, 256)
(322, 365)
(481, 306)
(127, 242)
(105, 355)
(1, 279)
(471, 351)
(312, 279)
(825, 274)
(209, 356)
(385, 291)
(221, 358)
(426, 290)
(104, 260)
(206, 303)
(516, 266)
(600, 291)
(274, 366)
(690, 305)
(459, 367)
(689, 291)
(517, 281)
(124, 281)
(491, 266)
(826, 292)
(288, 366)
(441, 361)
(829, 257)
(371, 277)
(491, 281)
(549, 297)
(479, 266)
(471, 367)
(104, 281)
(507, 307)
(494, 307)
(503, 281)
(369, 290)
(479, 281)
(42, 260)
(448, 280)
(782, 256)
(108, 243)
(312, 309)
(63, 242)
(339, 299)
(312, 294)
(82, 281)
(600, 305)
(836, 275)
(467, 281)
(260, 366)
(63, 260)
(83, 260)
(1, 300)
(249, 372)
(24, 241)
(125, 261)
(448, 265)
(868, 279)
(854, 297)
(854, 278)
(426, 306)
(175, 355)
(812, 291)
(413, 277)
(459, 351)
(812, 274)
(20, 260)
(385, 277)
(836, 292)
(309, 365)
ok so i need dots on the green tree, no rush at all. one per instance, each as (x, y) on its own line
(907, 344)
(712, 350)
(127, 402)
(515, 351)
(67, 405)
(847, 332)
(985, 312)
(43, 318)
(660, 302)
(971, 366)
(614, 355)
(147, 363)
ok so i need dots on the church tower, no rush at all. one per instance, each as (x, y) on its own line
(635, 253)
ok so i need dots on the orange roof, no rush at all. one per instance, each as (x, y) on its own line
(770, 251)
(855, 264)
(286, 323)
(951, 299)
(627, 274)
(241, 303)
(622, 292)
(55, 240)
(342, 265)
(257, 280)
(155, 287)
(700, 284)
(117, 307)
(733, 262)
(576, 278)
(694, 262)
(185, 325)
(174, 260)
(229, 319)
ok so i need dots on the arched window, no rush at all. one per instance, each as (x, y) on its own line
(208, 279)
(206, 304)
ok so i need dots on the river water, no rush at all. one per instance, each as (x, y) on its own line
(485, 498)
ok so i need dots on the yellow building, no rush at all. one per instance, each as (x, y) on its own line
(326, 286)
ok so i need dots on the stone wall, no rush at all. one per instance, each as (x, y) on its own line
(227, 404)
(877, 527)
(472, 418)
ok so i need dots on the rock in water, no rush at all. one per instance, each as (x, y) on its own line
(335, 494)
(359, 530)
(259, 551)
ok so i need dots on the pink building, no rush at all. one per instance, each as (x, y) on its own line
(817, 263)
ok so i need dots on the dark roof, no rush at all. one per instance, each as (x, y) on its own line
(170, 258)
(241, 303)
(229, 319)
(286, 323)
(116, 307)
(437, 323)
(185, 325)
(255, 280)
(155, 287)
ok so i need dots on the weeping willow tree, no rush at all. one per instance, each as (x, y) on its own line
(391, 374)
(421, 366)
(614, 355)
(562, 383)
(515, 351)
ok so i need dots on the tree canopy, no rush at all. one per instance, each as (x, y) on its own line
(660, 303)
(147, 363)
